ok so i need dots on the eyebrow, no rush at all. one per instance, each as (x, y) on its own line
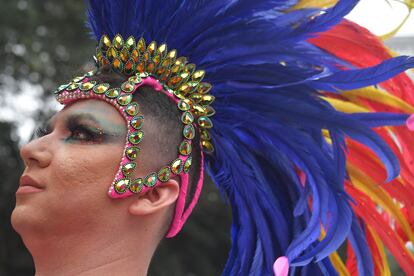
(73, 119)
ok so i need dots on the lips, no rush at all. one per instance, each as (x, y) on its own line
(28, 185)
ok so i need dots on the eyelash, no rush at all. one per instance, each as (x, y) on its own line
(75, 130)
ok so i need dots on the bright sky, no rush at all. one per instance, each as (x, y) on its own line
(381, 17)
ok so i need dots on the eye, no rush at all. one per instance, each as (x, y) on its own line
(85, 134)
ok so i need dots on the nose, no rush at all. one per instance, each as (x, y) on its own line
(37, 153)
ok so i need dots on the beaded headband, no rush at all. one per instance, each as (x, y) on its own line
(169, 75)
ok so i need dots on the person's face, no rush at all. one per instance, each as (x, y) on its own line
(74, 162)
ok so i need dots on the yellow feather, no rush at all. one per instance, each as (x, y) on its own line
(339, 264)
(385, 271)
(345, 106)
(314, 4)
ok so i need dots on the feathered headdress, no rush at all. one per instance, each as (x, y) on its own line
(297, 152)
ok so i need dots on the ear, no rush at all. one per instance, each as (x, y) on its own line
(155, 199)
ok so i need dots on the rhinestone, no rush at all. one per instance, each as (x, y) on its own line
(172, 54)
(111, 53)
(117, 64)
(177, 166)
(187, 118)
(190, 68)
(150, 180)
(141, 45)
(162, 49)
(113, 93)
(196, 97)
(189, 132)
(124, 99)
(151, 67)
(152, 46)
(136, 137)
(72, 87)
(90, 73)
(130, 42)
(207, 99)
(87, 85)
(184, 148)
(205, 122)
(127, 169)
(128, 87)
(105, 42)
(187, 164)
(164, 174)
(147, 56)
(183, 106)
(121, 185)
(101, 88)
(204, 88)
(185, 89)
(205, 135)
(143, 74)
(209, 110)
(118, 42)
(78, 79)
(140, 67)
(198, 75)
(132, 152)
(129, 67)
(207, 146)
(124, 54)
(135, 55)
(137, 122)
(61, 88)
(181, 61)
(136, 185)
(135, 79)
(132, 109)
(180, 94)
(198, 110)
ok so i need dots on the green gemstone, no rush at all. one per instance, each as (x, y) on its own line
(87, 85)
(150, 180)
(187, 164)
(164, 174)
(128, 168)
(136, 137)
(143, 74)
(121, 185)
(137, 122)
(73, 86)
(113, 93)
(124, 99)
(132, 109)
(184, 148)
(189, 131)
(128, 87)
(132, 152)
(204, 88)
(135, 79)
(177, 166)
(61, 88)
(205, 122)
(136, 185)
(187, 118)
(78, 79)
(101, 88)
(183, 105)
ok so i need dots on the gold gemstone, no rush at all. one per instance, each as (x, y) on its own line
(147, 56)
(150, 180)
(185, 89)
(118, 42)
(129, 67)
(179, 94)
(141, 45)
(113, 93)
(135, 79)
(111, 53)
(156, 59)
(205, 122)
(164, 174)
(204, 88)
(130, 42)
(207, 146)
(162, 49)
(152, 46)
(72, 87)
(207, 100)
(177, 166)
(140, 67)
(136, 185)
(105, 61)
(151, 67)
(87, 85)
(137, 122)
(135, 55)
(124, 54)
(185, 76)
(165, 76)
(187, 118)
(172, 54)
(132, 152)
(198, 110)
(187, 164)
(160, 71)
(181, 61)
(189, 132)
(132, 109)
(128, 168)
(198, 75)
(136, 137)
(174, 81)
(121, 185)
(184, 148)
(205, 135)
(101, 88)
(78, 79)
(196, 97)
(104, 42)
(124, 99)
(117, 64)
(127, 87)
(166, 63)
(183, 105)
(190, 68)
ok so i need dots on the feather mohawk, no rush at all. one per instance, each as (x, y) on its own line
(298, 152)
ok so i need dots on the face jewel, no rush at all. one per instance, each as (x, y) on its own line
(127, 169)
(184, 148)
(113, 93)
(177, 166)
(187, 164)
(189, 132)
(207, 146)
(132, 109)
(187, 118)
(150, 180)
(164, 174)
(132, 152)
(124, 99)
(135, 79)
(137, 122)
(127, 87)
(204, 88)
(121, 185)
(136, 137)
(87, 85)
(205, 122)
(72, 87)
(101, 88)
(136, 185)
(183, 105)
(118, 42)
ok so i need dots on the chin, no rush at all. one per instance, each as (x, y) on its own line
(24, 219)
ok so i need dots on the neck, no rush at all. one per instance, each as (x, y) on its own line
(94, 254)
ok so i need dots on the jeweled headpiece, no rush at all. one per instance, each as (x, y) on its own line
(291, 144)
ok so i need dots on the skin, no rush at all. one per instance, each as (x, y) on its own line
(71, 226)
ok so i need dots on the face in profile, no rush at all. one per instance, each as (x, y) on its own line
(72, 162)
